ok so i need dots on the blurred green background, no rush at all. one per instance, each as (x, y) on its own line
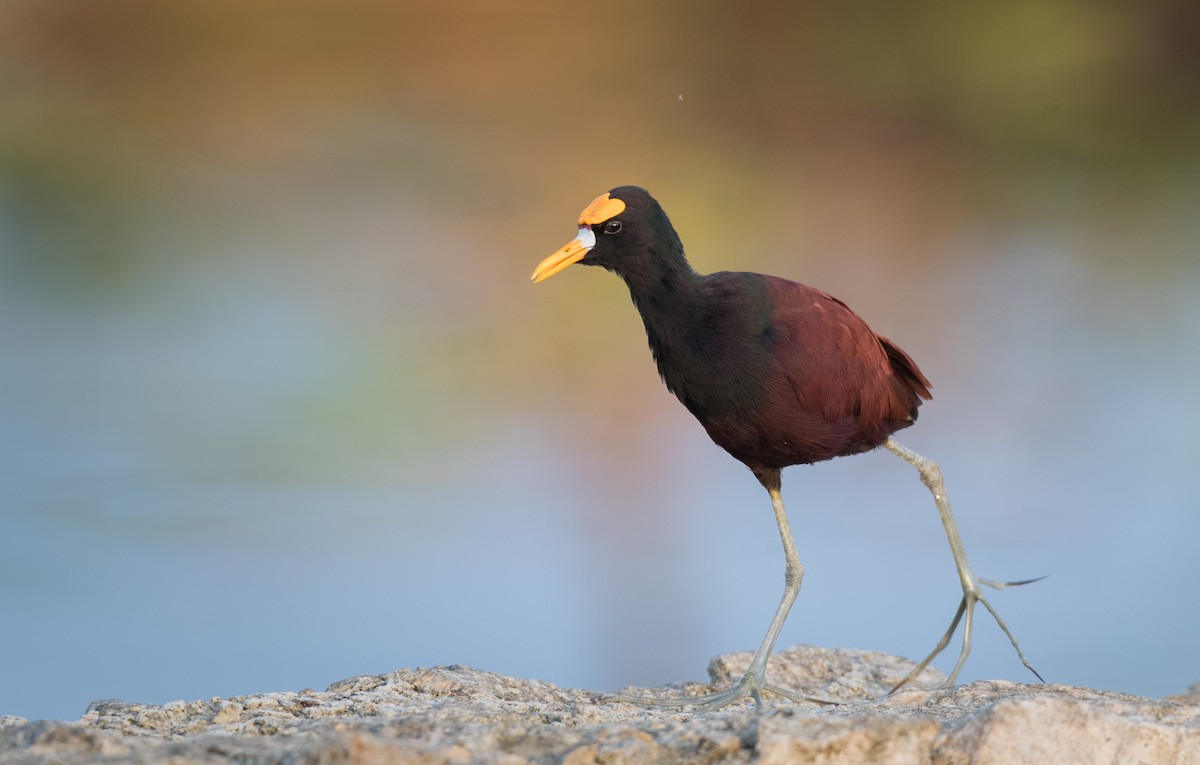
(279, 405)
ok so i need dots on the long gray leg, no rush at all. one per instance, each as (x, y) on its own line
(754, 682)
(931, 476)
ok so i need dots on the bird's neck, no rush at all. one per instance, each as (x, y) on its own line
(663, 284)
(668, 294)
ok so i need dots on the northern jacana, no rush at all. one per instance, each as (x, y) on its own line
(779, 374)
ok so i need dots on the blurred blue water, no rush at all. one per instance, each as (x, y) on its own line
(212, 483)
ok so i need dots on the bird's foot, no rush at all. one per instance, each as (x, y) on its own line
(966, 607)
(751, 686)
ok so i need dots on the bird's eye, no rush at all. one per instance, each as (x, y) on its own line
(612, 227)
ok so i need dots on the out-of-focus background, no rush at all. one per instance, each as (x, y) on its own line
(279, 405)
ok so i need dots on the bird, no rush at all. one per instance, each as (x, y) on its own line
(778, 373)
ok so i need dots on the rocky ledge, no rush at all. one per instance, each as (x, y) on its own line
(458, 715)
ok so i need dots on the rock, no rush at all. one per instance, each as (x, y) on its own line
(457, 714)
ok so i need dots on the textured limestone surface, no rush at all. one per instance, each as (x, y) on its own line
(457, 715)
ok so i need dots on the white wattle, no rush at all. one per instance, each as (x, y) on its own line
(586, 237)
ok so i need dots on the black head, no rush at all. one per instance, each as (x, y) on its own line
(624, 231)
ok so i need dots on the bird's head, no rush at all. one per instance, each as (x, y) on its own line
(616, 231)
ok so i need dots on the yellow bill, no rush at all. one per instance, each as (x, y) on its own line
(571, 252)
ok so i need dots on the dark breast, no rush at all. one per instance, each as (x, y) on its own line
(780, 373)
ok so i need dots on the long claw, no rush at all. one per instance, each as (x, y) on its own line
(1011, 638)
(1002, 585)
(968, 633)
(797, 697)
(937, 649)
(746, 688)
